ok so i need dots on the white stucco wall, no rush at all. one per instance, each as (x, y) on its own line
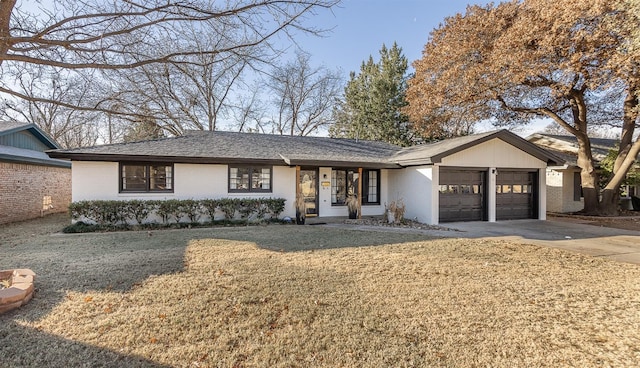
(100, 180)
(414, 186)
(94, 180)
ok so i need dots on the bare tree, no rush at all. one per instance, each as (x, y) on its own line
(80, 35)
(67, 126)
(304, 96)
(249, 112)
(194, 95)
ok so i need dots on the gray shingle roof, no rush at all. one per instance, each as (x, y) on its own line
(566, 146)
(14, 154)
(205, 146)
(229, 147)
(10, 127)
(11, 150)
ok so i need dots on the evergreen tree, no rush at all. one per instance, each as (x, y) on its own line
(373, 101)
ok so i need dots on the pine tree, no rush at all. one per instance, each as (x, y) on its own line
(374, 99)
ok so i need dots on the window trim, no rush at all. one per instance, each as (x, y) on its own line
(577, 186)
(147, 169)
(251, 168)
(364, 186)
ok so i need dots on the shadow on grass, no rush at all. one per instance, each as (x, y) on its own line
(40, 349)
(82, 263)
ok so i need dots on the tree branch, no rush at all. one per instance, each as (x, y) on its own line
(540, 111)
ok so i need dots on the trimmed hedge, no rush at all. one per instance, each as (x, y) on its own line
(138, 212)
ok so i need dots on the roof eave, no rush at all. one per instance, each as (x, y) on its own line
(37, 132)
(35, 161)
(76, 156)
(416, 162)
(343, 164)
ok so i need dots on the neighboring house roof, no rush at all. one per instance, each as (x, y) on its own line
(11, 127)
(231, 147)
(26, 143)
(566, 146)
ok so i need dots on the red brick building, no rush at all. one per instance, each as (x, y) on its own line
(31, 183)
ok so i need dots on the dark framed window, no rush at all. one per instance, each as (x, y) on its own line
(371, 187)
(250, 179)
(344, 182)
(577, 186)
(146, 177)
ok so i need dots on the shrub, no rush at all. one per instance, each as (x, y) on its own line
(189, 208)
(138, 210)
(228, 206)
(121, 213)
(169, 209)
(209, 207)
(395, 211)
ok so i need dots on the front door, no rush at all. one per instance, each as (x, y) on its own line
(309, 189)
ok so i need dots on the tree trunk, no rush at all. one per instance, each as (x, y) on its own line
(609, 203)
(6, 8)
(626, 157)
(628, 125)
(588, 175)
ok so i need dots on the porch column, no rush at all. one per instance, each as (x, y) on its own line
(359, 193)
(433, 216)
(542, 194)
(491, 194)
(299, 199)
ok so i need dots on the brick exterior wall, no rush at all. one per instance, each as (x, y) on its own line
(560, 192)
(25, 190)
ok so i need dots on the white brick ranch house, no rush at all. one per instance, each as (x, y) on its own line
(484, 177)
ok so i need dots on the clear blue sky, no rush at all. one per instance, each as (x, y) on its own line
(360, 27)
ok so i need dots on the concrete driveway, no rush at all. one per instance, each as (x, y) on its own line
(615, 244)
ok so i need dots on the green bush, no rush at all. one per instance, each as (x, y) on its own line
(209, 207)
(191, 209)
(138, 212)
(168, 209)
(228, 206)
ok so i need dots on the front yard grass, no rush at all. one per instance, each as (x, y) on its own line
(310, 296)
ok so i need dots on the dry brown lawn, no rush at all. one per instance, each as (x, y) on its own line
(309, 296)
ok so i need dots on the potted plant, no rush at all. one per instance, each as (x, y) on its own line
(300, 210)
(352, 206)
(395, 211)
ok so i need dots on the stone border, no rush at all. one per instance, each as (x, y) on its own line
(20, 291)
